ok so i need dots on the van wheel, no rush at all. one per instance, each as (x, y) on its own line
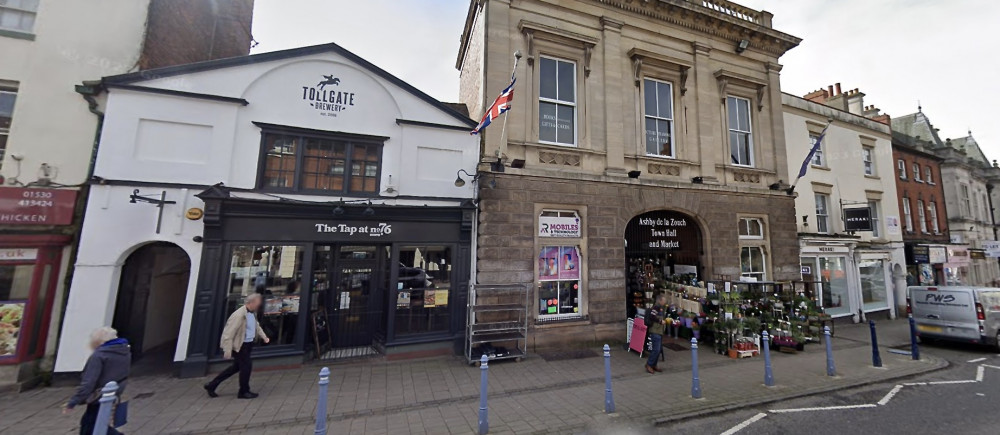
(925, 340)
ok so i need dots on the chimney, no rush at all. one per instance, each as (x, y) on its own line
(838, 88)
(856, 102)
(818, 96)
(830, 89)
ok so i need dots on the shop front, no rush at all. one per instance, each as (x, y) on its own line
(35, 235)
(660, 247)
(852, 280)
(363, 280)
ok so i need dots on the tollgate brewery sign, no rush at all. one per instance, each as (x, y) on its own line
(327, 97)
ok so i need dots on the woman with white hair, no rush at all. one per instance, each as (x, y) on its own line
(110, 361)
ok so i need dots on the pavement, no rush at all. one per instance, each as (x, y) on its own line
(441, 395)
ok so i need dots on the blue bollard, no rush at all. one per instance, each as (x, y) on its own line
(876, 358)
(104, 414)
(609, 400)
(695, 382)
(766, 349)
(830, 369)
(914, 349)
(484, 413)
(324, 383)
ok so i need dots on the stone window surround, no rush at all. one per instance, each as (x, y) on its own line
(581, 211)
(653, 66)
(816, 129)
(764, 242)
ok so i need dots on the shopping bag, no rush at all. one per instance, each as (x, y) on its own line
(121, 415)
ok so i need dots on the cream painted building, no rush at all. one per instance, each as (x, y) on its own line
(48, 134)
(653, 129)
(856, 273)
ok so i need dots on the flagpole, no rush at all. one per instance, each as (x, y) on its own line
(502, 150)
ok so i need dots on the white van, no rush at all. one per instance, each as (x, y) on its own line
(956, 313)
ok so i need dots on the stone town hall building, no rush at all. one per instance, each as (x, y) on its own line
(654, 126)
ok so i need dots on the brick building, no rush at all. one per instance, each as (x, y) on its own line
(920, 191)
(650, 135)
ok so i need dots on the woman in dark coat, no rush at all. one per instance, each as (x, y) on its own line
(111, 361)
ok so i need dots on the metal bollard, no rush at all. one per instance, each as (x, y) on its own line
(766, 349)
(876, 358)
(104, 414)
(830, 369)
(914, 349)
(609, 400)
(324, 384)
(695, 382)
(484, 413)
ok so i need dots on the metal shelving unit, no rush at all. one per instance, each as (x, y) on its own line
(497, 314)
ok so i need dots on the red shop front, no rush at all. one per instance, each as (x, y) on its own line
(34, 232)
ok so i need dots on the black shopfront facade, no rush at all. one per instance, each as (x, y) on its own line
(337, 279)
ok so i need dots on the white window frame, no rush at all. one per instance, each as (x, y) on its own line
(762, 274)
(921, 214)
(873, 206)
(557, 102)
(932, 210)
(824, 217)
(657, 117)
(5, 132)
(901, 166)
(965, 207)
(21, 10)
(928, 175)
(916, 172)
(748, 133)
(868, 157)
(747, 221)
(818, 159)
(907, 215)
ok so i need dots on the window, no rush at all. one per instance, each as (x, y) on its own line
(963, 203)
(751, 228)
(974, 211)
(18, 15)
(822, 213)
(276, 273)
(902, 169)
(985, 204)
(557, 101)
(916, 172)
(920, 215)
(305, 163)
(929, 175)
(659, 118)
(868, 156)
(740, 137)
(423, 290)
(873, 209)
(559, 282)
(752, 263)
(932, 210)
(873, 285)
(907, 215)
(818, 155)
(7, 98)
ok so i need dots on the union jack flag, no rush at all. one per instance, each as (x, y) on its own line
(500, 105)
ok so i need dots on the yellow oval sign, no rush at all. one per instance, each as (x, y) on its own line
(194, 213)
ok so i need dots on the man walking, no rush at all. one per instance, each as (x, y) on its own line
(654, 320)
(237, 342)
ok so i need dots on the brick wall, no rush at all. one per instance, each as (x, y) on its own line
(507, 250)
(187, 31)
(920, 190)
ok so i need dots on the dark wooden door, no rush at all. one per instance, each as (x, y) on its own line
(133, 296)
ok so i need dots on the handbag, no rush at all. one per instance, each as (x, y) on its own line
(120, 417)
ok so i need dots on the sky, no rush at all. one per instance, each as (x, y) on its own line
(898, 52)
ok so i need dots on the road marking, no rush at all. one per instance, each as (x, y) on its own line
(914, 384)
(976, 360)
(889, 396)
(992, 367)
(980, 394)
(952, 382)
(745, 423)
(980, 371)
(825, 408)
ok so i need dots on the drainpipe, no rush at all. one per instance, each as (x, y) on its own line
(993, 219)
(90, 90)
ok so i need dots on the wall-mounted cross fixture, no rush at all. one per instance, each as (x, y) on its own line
(135, 198)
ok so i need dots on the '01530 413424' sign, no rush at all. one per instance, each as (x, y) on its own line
(22, 206)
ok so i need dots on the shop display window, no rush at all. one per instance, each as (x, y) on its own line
(275, 272)
(423, 289)
(873, 284)
(559, 281)
(15, 285)
(834, 277)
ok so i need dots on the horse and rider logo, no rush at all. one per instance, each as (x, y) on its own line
(328, 80)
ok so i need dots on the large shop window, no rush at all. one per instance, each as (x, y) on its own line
(423, 289)
(559, 282)
(873, 284)
(15, 287)
(833, 274)
(557, 101)
(275, 272)
(740, 137)
(302, 163)
(659, 118)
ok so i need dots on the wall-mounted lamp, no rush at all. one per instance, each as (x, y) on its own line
(742, 45)
(698, 180)
(634, 174)
(369, 211)
(460, 182)
(805, 220)
(338, 210)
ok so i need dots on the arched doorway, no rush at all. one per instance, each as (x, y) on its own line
(660, 246)
(150, 300)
